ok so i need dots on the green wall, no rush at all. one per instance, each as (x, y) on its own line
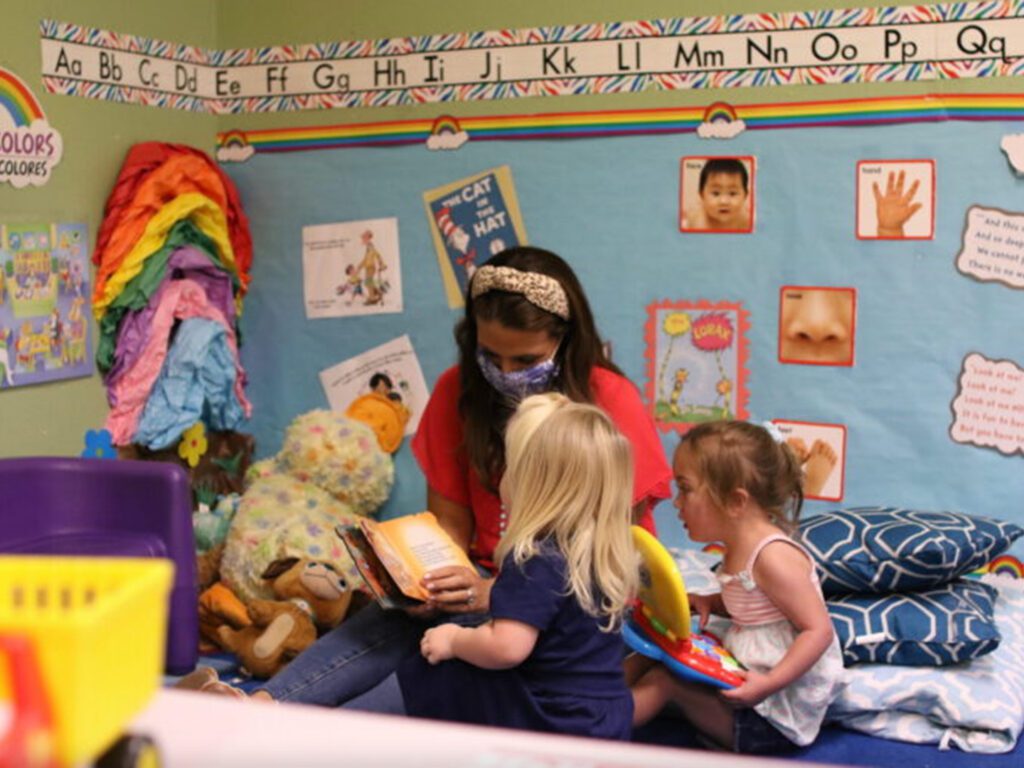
(51, 418)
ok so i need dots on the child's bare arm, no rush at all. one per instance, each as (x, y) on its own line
(498, 644)
(784, 573)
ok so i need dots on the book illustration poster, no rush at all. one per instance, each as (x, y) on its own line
(696, 362)
(471, 220)
(351, 268)
(44, 296)
(391, 369)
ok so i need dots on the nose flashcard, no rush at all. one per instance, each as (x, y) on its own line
(816, 325)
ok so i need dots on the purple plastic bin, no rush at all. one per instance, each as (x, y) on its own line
(71, 506)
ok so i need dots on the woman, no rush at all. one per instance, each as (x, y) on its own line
(527, 329)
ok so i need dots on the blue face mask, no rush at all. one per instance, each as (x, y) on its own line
(517, 385)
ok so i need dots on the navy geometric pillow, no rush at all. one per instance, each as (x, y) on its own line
(884, 549)
(950, 624)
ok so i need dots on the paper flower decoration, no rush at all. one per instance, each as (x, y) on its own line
(99, 445)
(193, 443)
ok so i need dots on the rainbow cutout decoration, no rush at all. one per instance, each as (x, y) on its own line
(1004, 565)
(445, 124)
(720, 112)
(446, 133)
(29, 147)
(18, 100)
(233, 147)
(721, 122)
(714, 549)
(573, 125)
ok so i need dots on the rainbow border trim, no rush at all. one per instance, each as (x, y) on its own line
(575, 125)
(18, 100)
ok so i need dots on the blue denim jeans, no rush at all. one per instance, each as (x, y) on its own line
(355, 658)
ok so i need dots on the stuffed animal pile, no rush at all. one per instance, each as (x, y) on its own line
(330, 470)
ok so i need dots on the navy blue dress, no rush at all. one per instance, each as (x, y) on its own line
(572, 682)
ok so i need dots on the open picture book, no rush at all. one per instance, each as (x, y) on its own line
(659, 624)
(393, 555)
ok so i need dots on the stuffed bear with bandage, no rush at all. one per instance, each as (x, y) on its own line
(311, 597)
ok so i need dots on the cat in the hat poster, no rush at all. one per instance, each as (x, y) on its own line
(471, 220)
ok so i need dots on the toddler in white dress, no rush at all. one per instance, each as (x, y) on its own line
(740, 486)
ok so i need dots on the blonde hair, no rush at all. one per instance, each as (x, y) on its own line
(731, 455)
(569, 478)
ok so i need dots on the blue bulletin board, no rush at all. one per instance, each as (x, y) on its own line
(928, 327)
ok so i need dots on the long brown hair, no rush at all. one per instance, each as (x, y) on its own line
(484, 412)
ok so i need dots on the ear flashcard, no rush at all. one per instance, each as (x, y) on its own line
(896, 199)
(696, 362)
(716, 194)
(821, 449)
(817, 325)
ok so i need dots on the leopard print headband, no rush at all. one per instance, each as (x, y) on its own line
(540, 290)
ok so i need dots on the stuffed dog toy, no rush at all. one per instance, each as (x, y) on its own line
(311, 596)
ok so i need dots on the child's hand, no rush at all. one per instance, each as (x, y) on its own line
(755, 689)
(436, 645)
(703, 606)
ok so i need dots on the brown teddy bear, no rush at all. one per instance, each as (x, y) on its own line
(312, 596)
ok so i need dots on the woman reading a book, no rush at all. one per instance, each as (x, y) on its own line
(527, 329)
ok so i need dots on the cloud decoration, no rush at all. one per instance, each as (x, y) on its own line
(447, 140)
(235, 153)
(721, 129)
(1013, 145)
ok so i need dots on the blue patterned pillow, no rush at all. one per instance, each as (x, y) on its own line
(941, 626)
(883, 549)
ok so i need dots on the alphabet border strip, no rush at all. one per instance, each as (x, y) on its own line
(896, 44)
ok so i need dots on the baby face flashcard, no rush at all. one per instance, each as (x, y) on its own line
(896, 199)
(817, 325)
(716, 194)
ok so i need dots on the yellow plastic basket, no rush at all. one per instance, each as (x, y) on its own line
(99, 628)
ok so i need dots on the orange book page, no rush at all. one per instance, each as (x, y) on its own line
(411, 546)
